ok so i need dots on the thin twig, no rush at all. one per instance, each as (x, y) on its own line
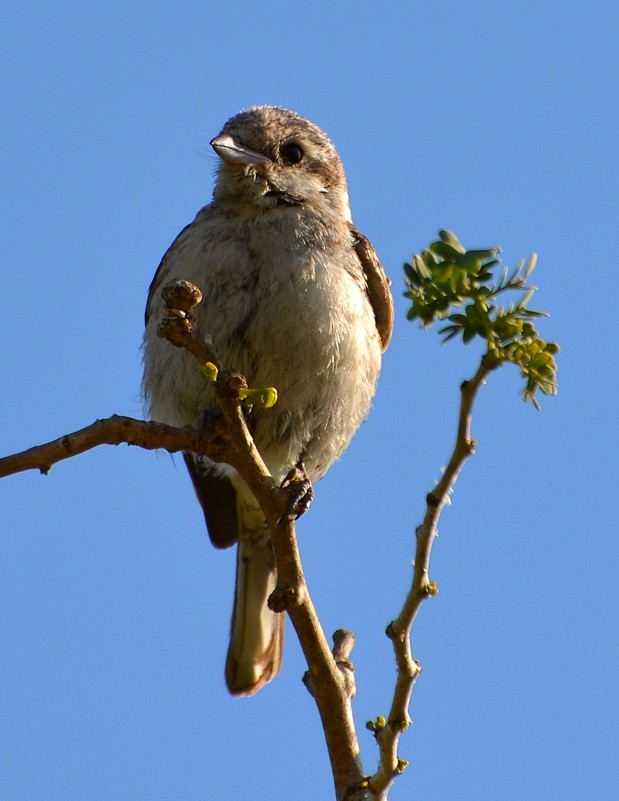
(399, 630)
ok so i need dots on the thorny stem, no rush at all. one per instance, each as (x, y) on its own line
(399, 630)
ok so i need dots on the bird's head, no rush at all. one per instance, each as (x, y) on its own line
(272, 157)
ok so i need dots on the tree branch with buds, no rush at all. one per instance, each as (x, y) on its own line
(330, 677)
(444, 282)
(448, 282)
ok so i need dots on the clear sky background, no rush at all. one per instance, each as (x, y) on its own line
(497, 120)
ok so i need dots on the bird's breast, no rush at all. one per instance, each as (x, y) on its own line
(284, 301)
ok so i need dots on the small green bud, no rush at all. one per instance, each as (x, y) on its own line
(209, 372)
(376, 725)
(264, 396)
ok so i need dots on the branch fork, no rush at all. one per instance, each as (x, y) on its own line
(330, 678)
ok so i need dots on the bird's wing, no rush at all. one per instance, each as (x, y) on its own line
(215, 493)
(217, 498)
(377, 286)
(162, 273)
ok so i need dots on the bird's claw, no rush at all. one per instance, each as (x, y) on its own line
(299, 491)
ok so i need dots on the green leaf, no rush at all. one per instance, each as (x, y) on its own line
(429, 261)
(468, 336)
(445, 250)
(451, 239)
(446, 277)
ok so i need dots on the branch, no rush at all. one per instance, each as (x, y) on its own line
(114, 430)
(446, 281)
(387, 732)
(329, 679)
(443, 278)
(330, 676)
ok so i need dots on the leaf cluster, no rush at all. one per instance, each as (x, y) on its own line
(448, 282)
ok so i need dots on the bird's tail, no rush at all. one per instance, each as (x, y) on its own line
(257, 633)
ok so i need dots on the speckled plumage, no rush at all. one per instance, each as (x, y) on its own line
(294, 298)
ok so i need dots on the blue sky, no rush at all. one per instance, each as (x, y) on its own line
(497, 120)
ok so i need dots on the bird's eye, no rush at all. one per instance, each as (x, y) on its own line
(291, 153)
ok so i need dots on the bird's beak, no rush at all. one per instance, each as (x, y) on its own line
(232, 152)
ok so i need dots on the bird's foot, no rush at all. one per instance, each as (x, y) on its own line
(299, 492)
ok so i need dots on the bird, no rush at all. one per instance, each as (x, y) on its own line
(294, 297)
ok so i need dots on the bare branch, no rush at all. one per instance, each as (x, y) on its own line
(114, 430)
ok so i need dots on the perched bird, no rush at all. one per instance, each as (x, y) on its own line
(295, 298)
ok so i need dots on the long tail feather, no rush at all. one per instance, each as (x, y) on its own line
(257, 633)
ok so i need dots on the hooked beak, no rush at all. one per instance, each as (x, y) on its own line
(232, 152)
